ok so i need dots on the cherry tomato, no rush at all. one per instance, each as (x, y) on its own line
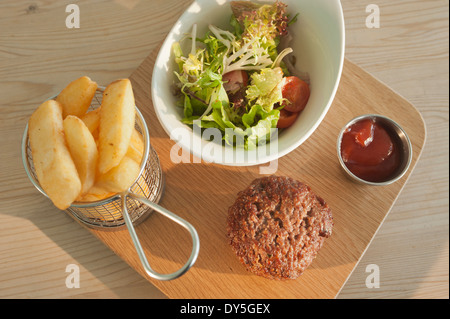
(235, 80)
(297, 92)
(286, 118)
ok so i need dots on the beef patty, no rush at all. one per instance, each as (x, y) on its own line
(277, 225)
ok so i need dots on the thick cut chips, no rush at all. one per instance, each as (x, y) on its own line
(95, 193)
(117, 117)
(76, 97)
(83, 150)
(92, 121)
(55, 169)
(121, 177)
(86, 156)
(136, 148)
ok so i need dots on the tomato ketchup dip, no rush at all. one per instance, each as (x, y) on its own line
(374, 149)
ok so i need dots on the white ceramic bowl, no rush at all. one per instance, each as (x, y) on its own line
(318, 44)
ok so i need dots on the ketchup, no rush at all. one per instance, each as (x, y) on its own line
(369, 151)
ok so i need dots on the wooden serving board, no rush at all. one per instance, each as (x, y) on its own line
(201, 193)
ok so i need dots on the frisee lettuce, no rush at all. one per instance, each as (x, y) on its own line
(265, 88)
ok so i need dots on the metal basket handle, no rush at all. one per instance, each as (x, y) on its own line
(137, 244)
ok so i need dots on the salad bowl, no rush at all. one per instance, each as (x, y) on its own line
(318, 43)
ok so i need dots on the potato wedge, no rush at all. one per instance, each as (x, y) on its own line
(83, 150)
(92, 119)
(117, 117)
(120, 177)
(77, 96)
(95, 193)
(55, 169)
(136, 148)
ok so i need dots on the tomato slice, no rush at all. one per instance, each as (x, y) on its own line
(286, 118)
(297, 92)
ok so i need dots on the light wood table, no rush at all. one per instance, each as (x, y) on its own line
(39, 54)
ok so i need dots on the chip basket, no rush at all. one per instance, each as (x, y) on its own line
(130, 207)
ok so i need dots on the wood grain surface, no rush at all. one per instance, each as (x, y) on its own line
(38, 55)
(201, 193)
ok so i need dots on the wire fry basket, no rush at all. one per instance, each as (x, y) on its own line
(130, 207)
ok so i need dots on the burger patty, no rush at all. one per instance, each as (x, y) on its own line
(277, 225)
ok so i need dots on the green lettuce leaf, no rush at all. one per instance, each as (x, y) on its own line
(265, 88)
